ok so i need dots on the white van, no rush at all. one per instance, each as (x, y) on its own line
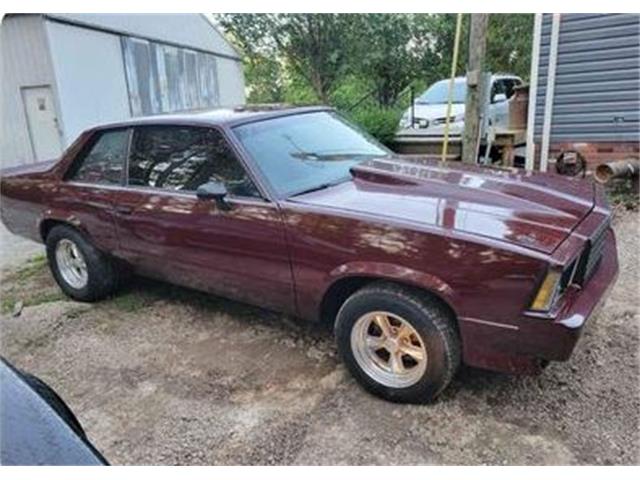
(430, 108)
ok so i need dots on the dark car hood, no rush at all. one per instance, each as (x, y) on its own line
(32, 432)
(532, 210)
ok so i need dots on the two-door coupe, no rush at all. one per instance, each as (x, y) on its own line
(416, 264)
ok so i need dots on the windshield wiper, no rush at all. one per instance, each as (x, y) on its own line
(321, 186)
(346, 155)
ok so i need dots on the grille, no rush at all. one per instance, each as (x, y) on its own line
(567, 276)
(592, 254)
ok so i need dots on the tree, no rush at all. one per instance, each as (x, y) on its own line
(476, 53)
(509, 43)
(340, 59)
(435, 36)
(385, 54)
(314, 46)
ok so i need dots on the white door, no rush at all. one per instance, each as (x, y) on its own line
(43, 122)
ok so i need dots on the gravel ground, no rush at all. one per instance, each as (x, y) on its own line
(162, 375)
(16, 250)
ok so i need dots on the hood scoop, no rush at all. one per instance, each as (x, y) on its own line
(373, 173)
(531, 210)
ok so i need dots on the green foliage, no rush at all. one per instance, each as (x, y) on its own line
(297, 91)
(623, 192)
(387, 57)
(31, 268)
(130, 301)
(314, 46)
(379, 122)
(264, 80)
(351, 89)
(509, 43)
(364, 59)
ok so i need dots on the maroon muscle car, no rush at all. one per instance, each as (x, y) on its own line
(417, 265)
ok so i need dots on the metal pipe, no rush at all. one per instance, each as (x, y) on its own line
(413, 106)
(454, 63)
(551, 87)
(533, 93)
(620, 169)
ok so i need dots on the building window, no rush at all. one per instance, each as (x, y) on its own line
(163, 78)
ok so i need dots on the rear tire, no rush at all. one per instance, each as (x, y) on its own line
(83, 272)
(399, 343)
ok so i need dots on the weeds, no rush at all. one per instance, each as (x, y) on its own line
(623, 192)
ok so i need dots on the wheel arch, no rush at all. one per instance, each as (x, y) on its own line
(343, 286)
(48, 222)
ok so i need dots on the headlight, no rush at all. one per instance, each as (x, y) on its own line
(548, 291)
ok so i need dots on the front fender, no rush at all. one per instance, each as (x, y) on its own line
(396, 273)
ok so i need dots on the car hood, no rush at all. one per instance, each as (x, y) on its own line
(436, 110)
(527, 209)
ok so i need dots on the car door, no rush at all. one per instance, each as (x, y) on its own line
(238, 250)
(86, 195)
(499, 108)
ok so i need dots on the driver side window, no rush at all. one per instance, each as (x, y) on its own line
(183, 158)
(497, 88)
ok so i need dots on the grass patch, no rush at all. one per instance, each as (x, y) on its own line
(30, 283)
(44, 297)
(37, 298)
(130, 301)
(7, 304)
(622, 192)
(33, 267)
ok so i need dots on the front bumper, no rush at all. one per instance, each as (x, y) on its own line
(534, 339)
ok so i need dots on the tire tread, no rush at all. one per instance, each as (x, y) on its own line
(432, 309)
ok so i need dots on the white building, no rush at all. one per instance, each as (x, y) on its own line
(65, 72)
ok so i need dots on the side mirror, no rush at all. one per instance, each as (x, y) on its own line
(499, 97)
(213, 191)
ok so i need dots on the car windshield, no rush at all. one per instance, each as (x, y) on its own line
(439, 92)
(300, 153)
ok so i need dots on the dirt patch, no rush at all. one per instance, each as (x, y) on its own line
(163, 375)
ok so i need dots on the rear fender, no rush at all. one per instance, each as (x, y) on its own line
(52, 216)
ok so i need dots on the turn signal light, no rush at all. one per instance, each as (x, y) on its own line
(547, 293)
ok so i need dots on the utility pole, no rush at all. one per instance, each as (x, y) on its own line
(475, 86)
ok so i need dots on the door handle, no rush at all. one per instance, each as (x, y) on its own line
(123, 210)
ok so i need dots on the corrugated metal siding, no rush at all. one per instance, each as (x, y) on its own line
(25, 62)
(88, 61)
(597, 85)
(91, 87)
(231, 82)
(164, 78)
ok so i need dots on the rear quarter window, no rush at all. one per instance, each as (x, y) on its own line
(103, 162)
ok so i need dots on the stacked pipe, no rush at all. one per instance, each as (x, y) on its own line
(605, 172)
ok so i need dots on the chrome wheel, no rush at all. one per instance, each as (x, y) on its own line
(71, 264)
(388, 349)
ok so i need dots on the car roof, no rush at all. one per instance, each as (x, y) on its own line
(230, 116)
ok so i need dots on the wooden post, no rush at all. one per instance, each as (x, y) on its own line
(454, 64)
(475, 64)
(533, 92)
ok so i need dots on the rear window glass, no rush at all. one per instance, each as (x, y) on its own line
(104, 162)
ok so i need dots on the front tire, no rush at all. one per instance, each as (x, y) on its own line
(398, 343)
(82, 271)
